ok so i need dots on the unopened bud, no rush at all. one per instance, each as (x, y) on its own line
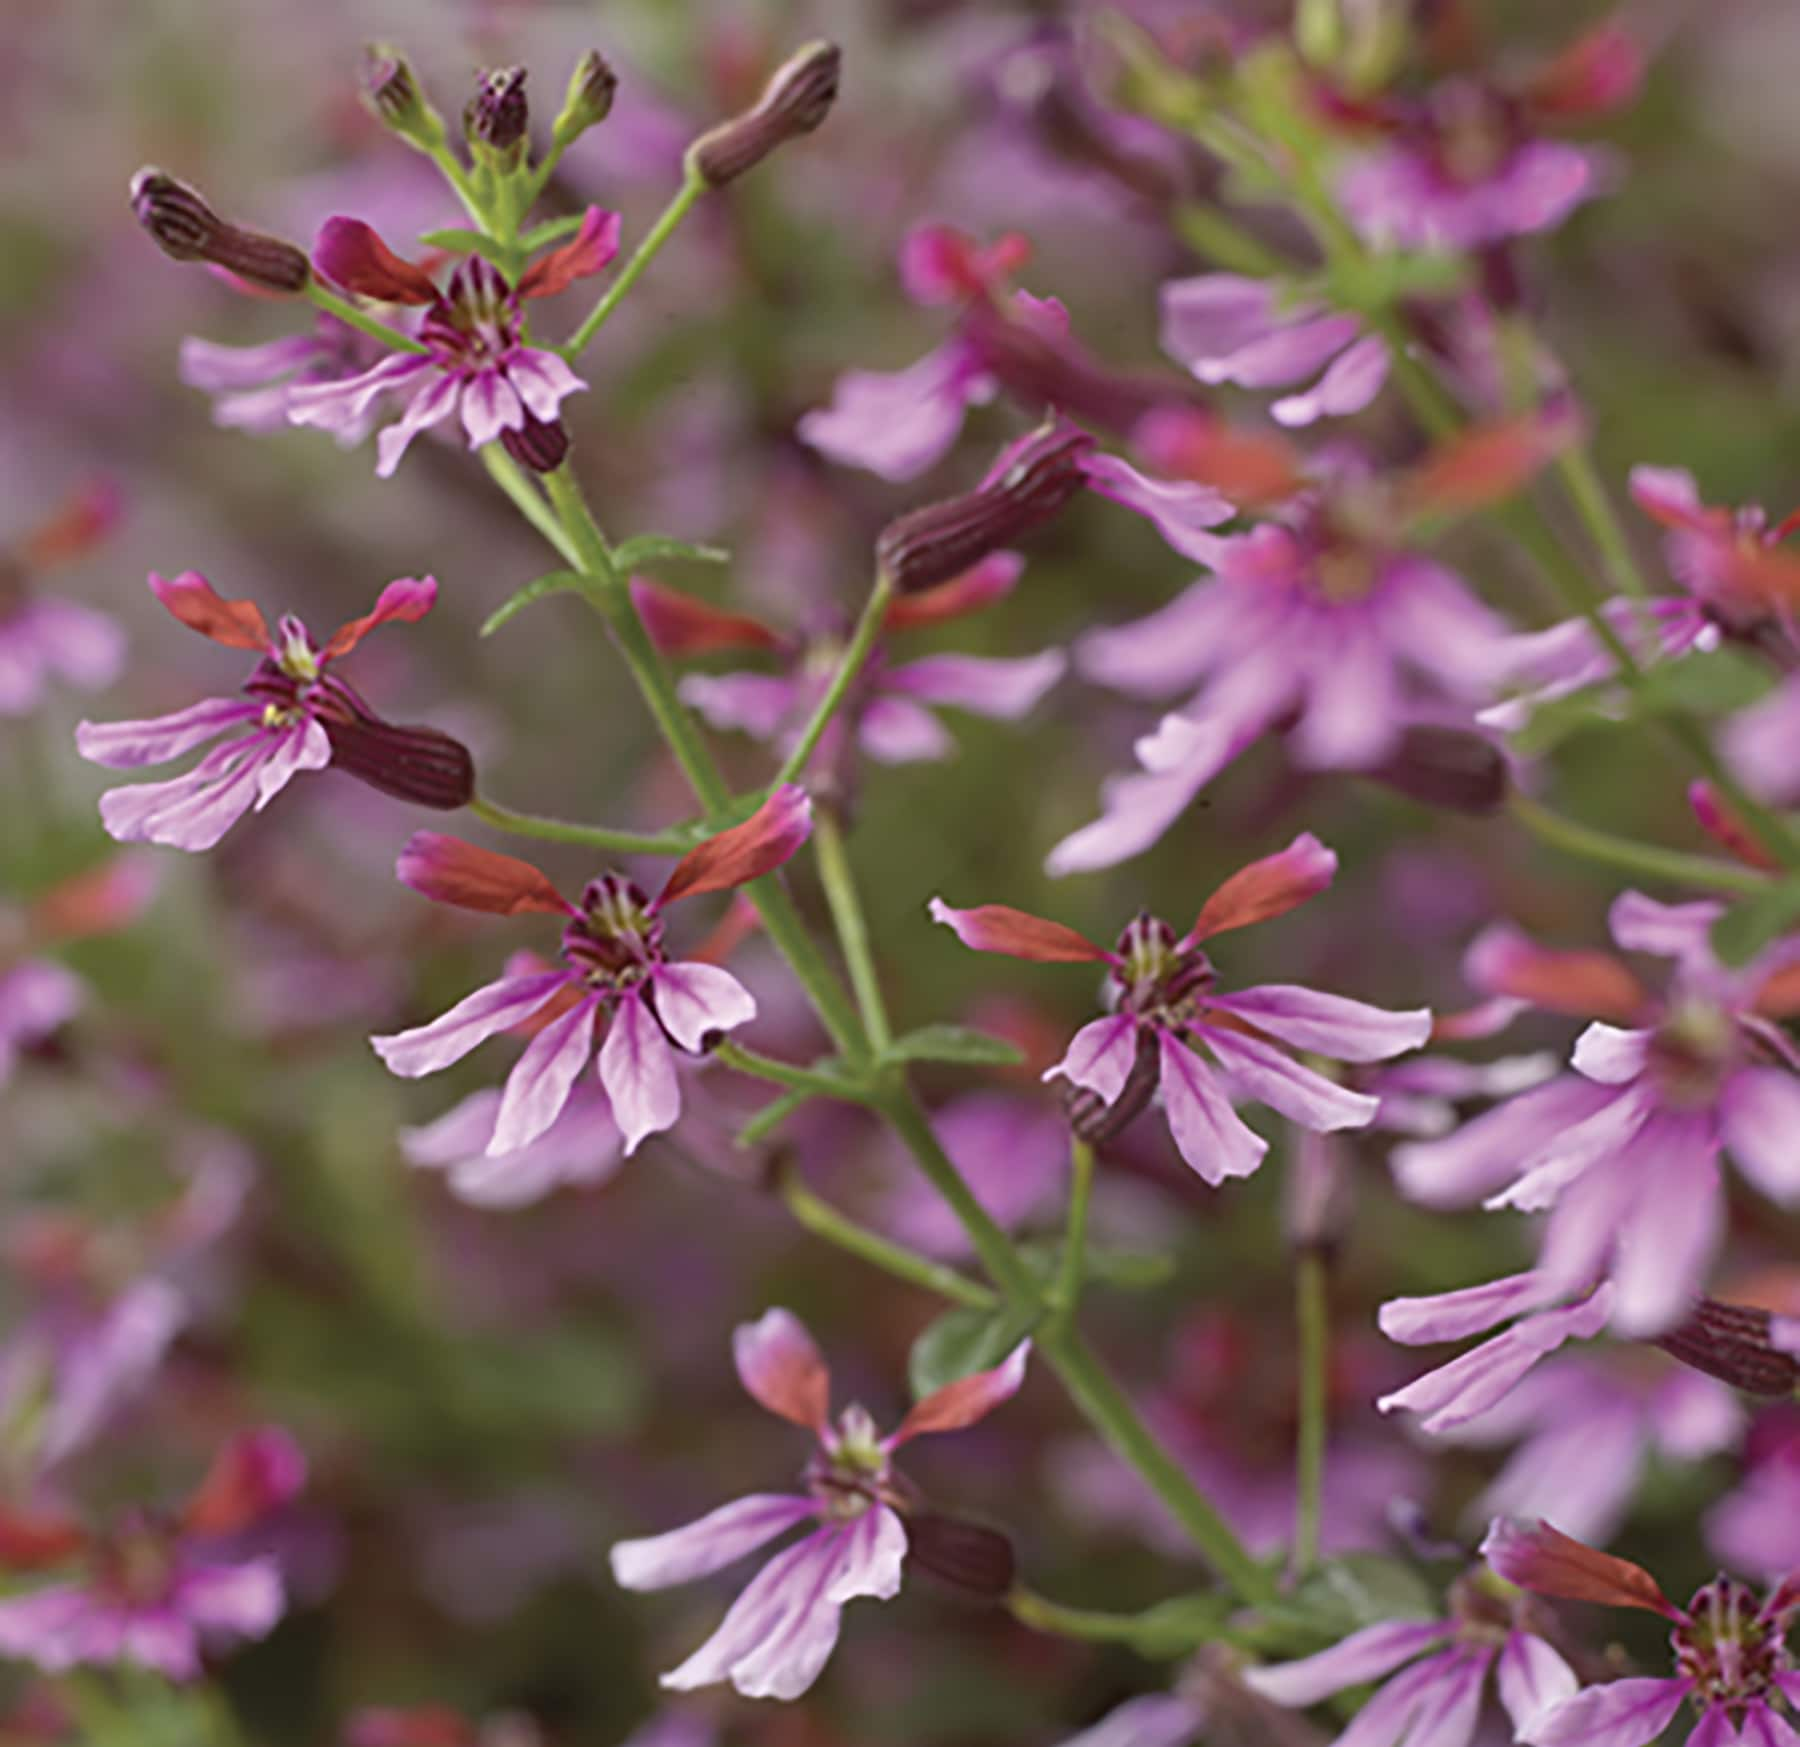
(392, 91)
(964, 1554)
(1447, 767)
(592, 87)
(537, 445)
(498, 115)
(796, 99)
(1026, 488)
(1734, 1342)
(185, 228)
(423, 765)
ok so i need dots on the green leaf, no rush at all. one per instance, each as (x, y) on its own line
(1363, 1589)
(1128, 1270)
(557, 582)
(954, 1043)
(468, 242)
(1746, 928)
(1183, 1623)
(551, 231)
(655, 548)
(1712, 683)
(962, 1342)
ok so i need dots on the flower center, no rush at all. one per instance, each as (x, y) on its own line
(1157, 978)
(477, 324)
(1691, 1052)
(1731, 1649)
(1472, 134)
(851, 1471)
(138, 1563)
(617, 937)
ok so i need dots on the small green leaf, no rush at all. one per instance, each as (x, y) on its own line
(1183, 1623)
(962, 1342)
(1746, 928)
(551, 231)
(557, 582)
(954, 1043)
(1712, 683)
(1363, 1589)
(655, 548)
(467, 242)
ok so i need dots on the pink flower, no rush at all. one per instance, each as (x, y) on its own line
(781, 1630)
(295, 714)
(1322, 623)
(1756, 1527)
(154, 1592)
(615, 965)
(1731, 1655)
(581, 1147)
(890, 715)
(253, 387)
(1623, 1153)
(41, 637)
(1445, 1668)
(475, 365)
(1166, 1007)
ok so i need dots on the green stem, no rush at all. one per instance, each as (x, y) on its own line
(1581, 480)
(1110, 1411)
(1648, 860)
(1043, 1615)
(1313, 1315)
(647, 251)
(351, 316)
(814, 1080)
(868, 628)
(529, 501)
(458, 178)
(1225, 242)
(675, 842)
(824, 1221)
(841, 897)
(1066, 1294)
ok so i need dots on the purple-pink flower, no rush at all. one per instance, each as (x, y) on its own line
(474, 362)
(295, 713)
(615, 966)
(1731, 1657)
(778, 1634)
(156, 1591)
(1623, 1153)
(44, 638)
(581, 1147)
(1167, 1009)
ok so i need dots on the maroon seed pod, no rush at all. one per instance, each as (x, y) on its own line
(795, 101)
(185, 228)
(1732, 1343)
(965, 1555)
(537, 445)
(412, 763)
(1028, 487)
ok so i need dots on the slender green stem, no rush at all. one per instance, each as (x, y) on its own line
(348, 313)
(675, 842)
(1066, 1294)
(1043, 1615)
(1110, 1411)
(868, 628)
(1648, 860)
(647, 251)
(824, 1221)
(1226, 242)
(800, 1079)
(1312, 1311)
(1581, 480)
(1002, 1261)
(458, 178)
(529, 502)
(839, 881)
(592, 555)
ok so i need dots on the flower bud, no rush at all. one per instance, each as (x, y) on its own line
(1447, 767)
(592, 87)
(537, 445)
(392, 92)
(498, 116)
(963, 1554)
(796, 99)
(185, 228)
(1734, 1342)
(423, 765)
(1026, 488)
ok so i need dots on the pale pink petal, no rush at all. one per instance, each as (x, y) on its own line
(433, 401)
(490, 404)
(344, 405)
(1006, 688)
(1333, 1025)
(191, 812)
(1208, 1132)
(580, 1148)
(1609, 1055)
(130, 745)
(1135, 811)
(1758, 743)
(1157, 1721)
(1759, 1118)
(1167, 651)
(637, 1068)
(695, 999)
(752, 703)
(86, 647)
(1670, 494)
(1362, 1657)
(1350, 383)
(542, 381)
(1678, 931)
(234, 1601)
(781, 1367)
(1432, 618)
(1672, 1229)
(895, 423)
(700, 1548)
(1761, 1728)
(539, 1085)
(108, 1365)
(492, 1009)
(1181, 510)
(965, 1401)
(1622, 1713)
(1353, 713)
(1532, 1677)
(897, 731)
(1260, 1071)
(1100, 1056)
(1450, 1316)
(305, 746)
(1596, 1141)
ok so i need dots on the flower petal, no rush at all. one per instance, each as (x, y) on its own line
(700, 1548)
(495, 1008)
(1532, 1677)
(781, 1367)
(1333, 1025)
(1181, 510)
(1361, 1657)
(1267, 888)
(1159, 1720)
(1610, 1056)
(771, 836)
(679, 624)
(695, 999)
(896, 423)
(1208, 1133)
(1540, 1558)
(189, 597)
(1350, 383)
(1017, 933)
(1100, 1056)
(449, 871)
(1002, 687)
(539, 1085)
(433, 400)
(1678, 931)
(1670, 1231)
(352, 254)
(965, 1401)
(1759, 1115)
(587, 252)
(1260, 1071)
(752, 703)
(1590, 985)
(157, 739)
(637, 1068)
(992, 579)
(895, 730)
(1449, 1316)
(407, 598)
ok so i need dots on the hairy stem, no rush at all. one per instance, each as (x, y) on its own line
(646, 252)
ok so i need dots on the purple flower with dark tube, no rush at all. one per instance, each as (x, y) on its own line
(475, 364)
(1731, 1657)
(780, 1632)
(295, 714)
(253, 387)
(154, 1591)
(1168, 1008)
(615, 965)
(1446, 1670)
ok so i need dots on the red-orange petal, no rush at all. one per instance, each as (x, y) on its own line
(771, 836)
(190, 598)
(1268, 888)
(449, 871)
